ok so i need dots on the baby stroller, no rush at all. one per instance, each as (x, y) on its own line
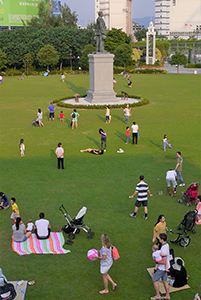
(188, 221)
(191, 194)
(74, 225)
(35, 123)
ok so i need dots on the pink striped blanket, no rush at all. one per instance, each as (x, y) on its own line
(53, 245)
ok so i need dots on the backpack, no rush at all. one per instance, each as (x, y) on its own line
(115, 253)
(7, 292)
(73, 115)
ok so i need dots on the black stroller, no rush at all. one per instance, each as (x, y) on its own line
(188, 221)
(74, 225)
(35, 123)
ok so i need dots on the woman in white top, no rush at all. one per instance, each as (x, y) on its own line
(106, 262)
(40, 117)
(135, 129)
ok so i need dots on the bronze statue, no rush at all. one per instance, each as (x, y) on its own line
(100, 35)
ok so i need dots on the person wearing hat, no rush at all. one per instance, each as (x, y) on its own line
(178, 272)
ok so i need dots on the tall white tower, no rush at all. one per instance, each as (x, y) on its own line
(117, 14)
(151, 45)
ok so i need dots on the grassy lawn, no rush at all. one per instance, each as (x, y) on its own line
(101, 183)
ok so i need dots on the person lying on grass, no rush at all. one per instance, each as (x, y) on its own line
(93, 151)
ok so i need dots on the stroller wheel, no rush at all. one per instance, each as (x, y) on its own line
(178, 228)
(71, 236)
(193, 231)
(77, 231)
(90, 235)
(180, 201)
(188, 204)
(185, 241)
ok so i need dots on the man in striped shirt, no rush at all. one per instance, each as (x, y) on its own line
(141, 189)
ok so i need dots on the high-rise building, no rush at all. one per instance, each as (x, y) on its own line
(178, 18)
(117, 14)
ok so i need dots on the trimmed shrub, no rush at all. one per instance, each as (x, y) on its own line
(193, 66)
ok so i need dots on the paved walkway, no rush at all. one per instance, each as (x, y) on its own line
(82, 101)
(182, 70)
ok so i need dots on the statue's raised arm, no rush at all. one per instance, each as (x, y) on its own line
(100, 35)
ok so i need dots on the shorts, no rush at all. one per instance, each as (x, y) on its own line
(61, 119)
(39, 119)
(107, 118)
(173, 181)
(160, 274)
(25, 238)
(51, 115)
(74, 120)
(139, 203)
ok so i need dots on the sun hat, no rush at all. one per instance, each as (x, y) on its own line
(178, 263)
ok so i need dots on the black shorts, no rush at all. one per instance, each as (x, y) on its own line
(51, 115)
(139, 203)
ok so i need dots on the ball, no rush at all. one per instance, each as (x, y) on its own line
(91, 253)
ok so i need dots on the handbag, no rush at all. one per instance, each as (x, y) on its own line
(115, 253)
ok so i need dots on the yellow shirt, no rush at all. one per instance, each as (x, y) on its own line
(160, 228)
(15, 209)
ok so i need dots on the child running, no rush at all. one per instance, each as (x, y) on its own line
(159, 257)
(22, 148)
(165, 142)
(127, 134)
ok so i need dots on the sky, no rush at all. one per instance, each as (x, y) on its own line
(86, 9)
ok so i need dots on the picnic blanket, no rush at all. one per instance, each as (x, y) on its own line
(171, 288)
(53, 245)
(20, 288)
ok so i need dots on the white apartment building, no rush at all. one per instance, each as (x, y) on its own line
(178, 18)
(117, 14)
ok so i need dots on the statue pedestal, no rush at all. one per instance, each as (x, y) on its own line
(101, 78)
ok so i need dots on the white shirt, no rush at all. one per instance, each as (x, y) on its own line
(60, 152)
(165, 250)
(134, 128)
(171, 175)
(42, 227)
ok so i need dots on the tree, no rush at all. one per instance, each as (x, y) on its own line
(123, 56)
(158, 55)
(115, 38)
(84, 58)
(178, 59)
(136, 54)
(3, 60)
(141, 34)
(48, 56)
(92, 26)
(27, 62)
(68, 19)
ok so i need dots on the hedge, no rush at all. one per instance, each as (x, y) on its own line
(144, 101)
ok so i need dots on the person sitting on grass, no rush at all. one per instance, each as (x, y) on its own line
(42, 227)
(4, 201)
(93, 151)
(20, 233)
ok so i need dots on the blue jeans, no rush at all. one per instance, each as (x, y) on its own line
(127, 139)
(126, 119)
(180, 177)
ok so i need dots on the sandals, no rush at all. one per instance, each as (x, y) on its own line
(31, 282)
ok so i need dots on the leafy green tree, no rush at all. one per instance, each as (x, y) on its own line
(3, 60)
(123, 56)
(68, 19)
(115, 38)
(84, 58)
(92, 26)
(141, 34)
(178, 59)
(48, 56)
(27, 62)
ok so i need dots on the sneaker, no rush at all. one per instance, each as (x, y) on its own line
(132, 216)
(146, 218)
(105, 150)
(182, 184)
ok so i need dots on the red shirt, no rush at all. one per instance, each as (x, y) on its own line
(61, 116)
(127, 132)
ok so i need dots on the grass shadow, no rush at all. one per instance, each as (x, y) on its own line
(159, 146)
(76, 89)
(94, 141)
(120, 135)
(118, 118)
(101, 118)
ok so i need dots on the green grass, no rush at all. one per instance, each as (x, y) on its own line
(101, 183)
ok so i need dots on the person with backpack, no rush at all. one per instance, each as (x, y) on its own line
(74, 117)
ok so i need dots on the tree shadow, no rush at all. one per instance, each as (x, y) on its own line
(118, 118)
(120, 135)
(94, 141)
(101, 118)
(159, 146)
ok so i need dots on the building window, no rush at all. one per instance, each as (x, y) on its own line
(174, 2)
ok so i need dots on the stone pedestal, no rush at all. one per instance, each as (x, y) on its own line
(101, 78)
